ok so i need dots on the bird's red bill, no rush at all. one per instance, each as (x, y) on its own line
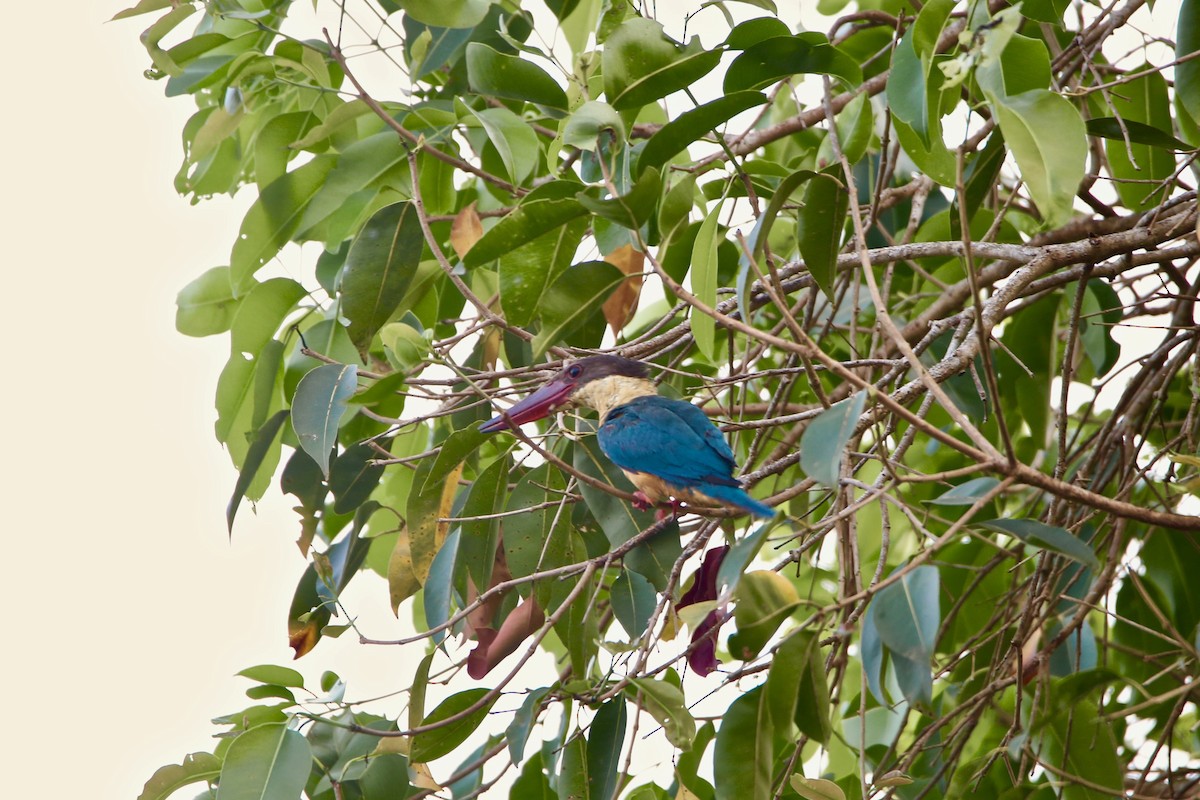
(542, 403)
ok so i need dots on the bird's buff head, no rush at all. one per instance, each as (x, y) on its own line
(558, 392)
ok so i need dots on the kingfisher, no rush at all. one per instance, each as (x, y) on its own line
(669, 449)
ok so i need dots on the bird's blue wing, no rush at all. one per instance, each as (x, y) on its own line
(699, 422)
(668, 438)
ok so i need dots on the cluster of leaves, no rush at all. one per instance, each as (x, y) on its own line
(979, 580)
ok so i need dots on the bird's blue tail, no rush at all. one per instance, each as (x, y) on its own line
(736, 496)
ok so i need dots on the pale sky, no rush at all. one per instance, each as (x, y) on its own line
(129, 607)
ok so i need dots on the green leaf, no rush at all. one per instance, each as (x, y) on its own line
(361, 169)
(532, 783)
(666, 704)
(980, 174)
(904, 616)
(337, 119)
(605, 738)
(517, 733)
(1046, 537)
(156, 32)
(438, 585)
(819, 227)
(762, 229)
(259, 316)
(526, 222)
(1052, 11)
(574, 777)
(1102, 310)
(676, 207)
(514, 140)
(576, 296)
(266, 382)
(255, 457)
(704, 282)
(908, 614)
(640, 64)
(379, 269)
(385, 778)
(1049, 141)
(690, 126)
(144, 7)
(268, 762)
(907, 88)
(764, 600)
(1139, 133)
(273, 218)
(1079, 742)
(274, 675)
(742, 750)
(532, 540)
(442, 740)
(771, 60)
(318, 407)
(196, 767)
(454, 450)
(739, 557)
(1146, 160)
(1187, 72)
(749, 33)
(633, 603)
(965, 494)
(528, 272)
(495, 74)
(447, 13)
(403, 345)
(823, 445)
(855, 128)
(352, 477)
(477, 549)
(593, 126)
(931, 156)
(1023, 64)
(796, 688)
(206, 305)
(630, 210)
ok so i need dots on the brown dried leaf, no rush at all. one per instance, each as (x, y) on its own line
(620, 306)
(493, 647)
(465, 230)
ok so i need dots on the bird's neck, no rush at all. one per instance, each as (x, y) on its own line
(605, 394)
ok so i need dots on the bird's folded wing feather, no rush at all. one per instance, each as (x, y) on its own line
(668, 438)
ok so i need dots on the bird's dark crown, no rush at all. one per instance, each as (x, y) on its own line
(592, 368)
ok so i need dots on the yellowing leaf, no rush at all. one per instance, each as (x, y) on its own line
(466, 230)
(422, 778)
(817, 788)
(402, 578)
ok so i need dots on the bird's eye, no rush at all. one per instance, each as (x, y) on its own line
(574, 371)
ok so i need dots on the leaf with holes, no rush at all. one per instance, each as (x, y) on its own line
(318, 407)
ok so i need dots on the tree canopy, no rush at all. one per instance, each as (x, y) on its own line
(932, 268)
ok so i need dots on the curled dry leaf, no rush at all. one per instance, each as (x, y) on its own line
(466, 230)
(622, 303)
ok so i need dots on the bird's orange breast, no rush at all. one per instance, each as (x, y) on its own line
(660, 491)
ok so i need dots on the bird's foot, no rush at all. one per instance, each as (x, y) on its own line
(641, 501)
(667, 510)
